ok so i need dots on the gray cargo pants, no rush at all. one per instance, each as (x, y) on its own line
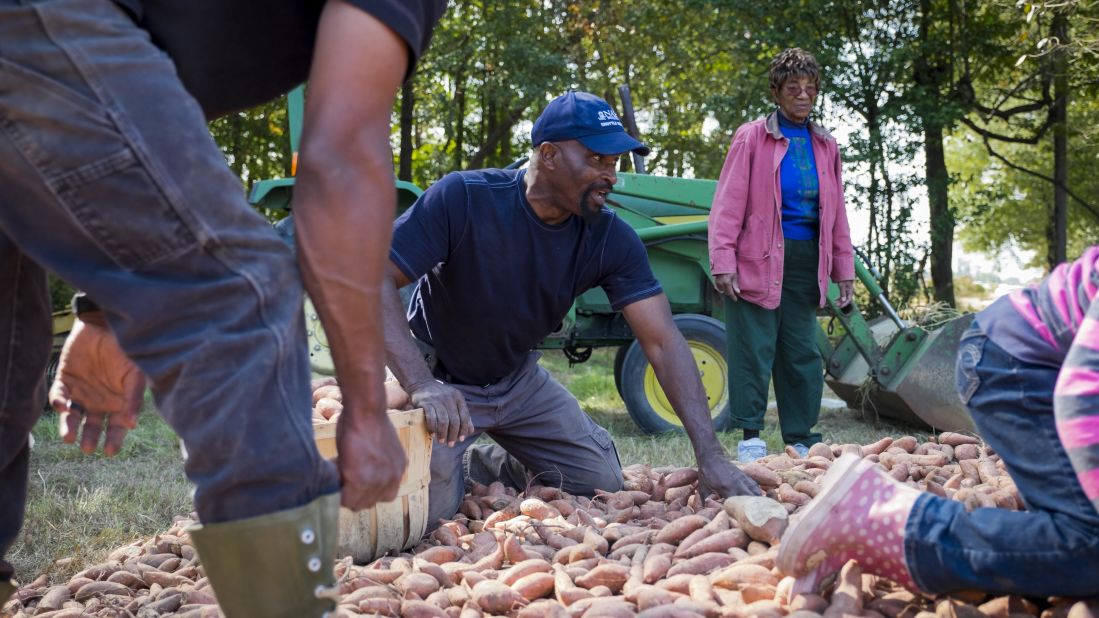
(542, 436)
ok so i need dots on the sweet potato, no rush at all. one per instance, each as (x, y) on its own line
(552, 538)
(496, 598)
(701, 565)
(721, 542)
(609, 574)
(442, 553)
(680, 477)
(655, 567)
(537, 509)
(421, 584)
(412, 608)
(761, 518)
(100, 588)
(564, 507)
(761, 474)
(820, 449)
(678, 530)
(566, 591)
(649, 597)
(678, 493)
(330, 391)
(327, 409)
(534, 586)
(735, 575)
(604, 607)
(524, 568)
(642, 536)
(847, 597)
(692, 539)
(396, 397)
(808, 488)
(956, 439)
(789, 494)
(700, 589)
(544, 608)
(614, 532)
(470, 508)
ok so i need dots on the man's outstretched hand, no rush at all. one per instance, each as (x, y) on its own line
(96, 387)
(720, 476)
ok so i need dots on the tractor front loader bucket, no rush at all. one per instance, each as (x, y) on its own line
(928, 388)
(911, 380)
(892, 367)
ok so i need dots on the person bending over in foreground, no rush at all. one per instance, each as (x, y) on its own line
(111, 181)
(1028, 370)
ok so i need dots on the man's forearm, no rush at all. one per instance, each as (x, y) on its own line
(403, 355)
(344, 215)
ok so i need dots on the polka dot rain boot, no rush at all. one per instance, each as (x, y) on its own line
(860, 514)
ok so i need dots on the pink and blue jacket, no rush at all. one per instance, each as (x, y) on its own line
(1056, 323)
(745, 231)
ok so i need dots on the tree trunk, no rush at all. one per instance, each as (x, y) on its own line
(929, 78)
(404, 168)
(459, 122)
(942, 217)
(1058, 246)
(501, 132)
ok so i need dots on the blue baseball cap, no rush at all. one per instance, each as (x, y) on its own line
(588, 119)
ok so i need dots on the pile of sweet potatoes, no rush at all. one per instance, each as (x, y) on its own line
(656, 548)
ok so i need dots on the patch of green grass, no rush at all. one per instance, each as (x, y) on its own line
(593, 384)
(83, 506)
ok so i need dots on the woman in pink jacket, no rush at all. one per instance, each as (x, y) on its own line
(778, 233)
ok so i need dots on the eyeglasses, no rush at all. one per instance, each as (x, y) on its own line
(794, 90)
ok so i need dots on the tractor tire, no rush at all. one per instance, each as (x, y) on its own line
(645, 400)
(619, 360)
(51, 373)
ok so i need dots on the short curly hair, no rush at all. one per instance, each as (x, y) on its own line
(794, 62)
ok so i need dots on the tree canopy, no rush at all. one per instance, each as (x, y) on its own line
(956, 118)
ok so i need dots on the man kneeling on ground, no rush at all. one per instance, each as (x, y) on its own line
(499, 257)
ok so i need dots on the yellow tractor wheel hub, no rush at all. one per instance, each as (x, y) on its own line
(714, 372)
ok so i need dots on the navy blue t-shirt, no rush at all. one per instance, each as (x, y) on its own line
(494, 280)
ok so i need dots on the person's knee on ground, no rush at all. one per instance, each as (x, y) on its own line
(490, 462)
(487, 463)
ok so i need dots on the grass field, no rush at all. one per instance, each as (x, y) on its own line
(81, 507)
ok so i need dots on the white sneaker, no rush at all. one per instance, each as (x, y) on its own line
(748, 451)
(802, 450)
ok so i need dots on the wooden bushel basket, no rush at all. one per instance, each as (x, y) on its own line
(395, 525)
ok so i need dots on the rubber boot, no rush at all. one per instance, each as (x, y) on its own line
(859, 514)
(273, 565)
(7, 589)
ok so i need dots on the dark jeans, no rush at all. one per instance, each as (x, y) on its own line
(111, 180)
(541, 436)
(780, 344)
(1052, 549)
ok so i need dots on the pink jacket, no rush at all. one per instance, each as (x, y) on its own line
(745, 230)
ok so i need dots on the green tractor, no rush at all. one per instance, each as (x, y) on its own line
(899, 369)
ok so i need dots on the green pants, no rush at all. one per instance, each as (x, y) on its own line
(780, 344)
